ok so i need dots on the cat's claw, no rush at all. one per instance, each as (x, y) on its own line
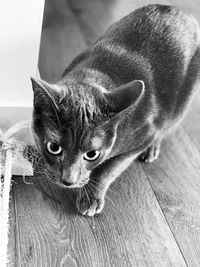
(150, 154)
(89, 205)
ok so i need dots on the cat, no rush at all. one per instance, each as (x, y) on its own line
(116, 101)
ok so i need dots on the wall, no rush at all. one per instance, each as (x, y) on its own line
(20, 29)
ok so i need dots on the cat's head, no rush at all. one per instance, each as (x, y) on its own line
(75, 127)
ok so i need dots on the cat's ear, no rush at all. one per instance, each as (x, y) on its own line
(44, 94)
(126, 95)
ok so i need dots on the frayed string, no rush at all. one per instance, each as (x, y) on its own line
(11, 149)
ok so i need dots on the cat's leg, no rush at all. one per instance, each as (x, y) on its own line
(91, 197)
(152, 152)
(89, 201)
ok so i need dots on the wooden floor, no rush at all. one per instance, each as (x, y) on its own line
(152, 213)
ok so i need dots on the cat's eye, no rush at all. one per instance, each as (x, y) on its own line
(54, 148)
(91, 155)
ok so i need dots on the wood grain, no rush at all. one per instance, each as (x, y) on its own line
(175, 181)
(132, 230)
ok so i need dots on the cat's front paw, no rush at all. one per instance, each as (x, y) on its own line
(88, 204)
(150, 154)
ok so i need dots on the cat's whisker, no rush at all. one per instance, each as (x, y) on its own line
(24, 180)
(93, 222)
(99, 184)
(45, 175)
(103, 212)
(77, 213)
(43, 172)
(111, 202)
(97, 188)
(85, 189)
(100, 187)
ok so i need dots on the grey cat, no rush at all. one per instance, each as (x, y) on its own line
(116, 101)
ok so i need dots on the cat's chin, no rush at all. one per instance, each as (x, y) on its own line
(79, 185)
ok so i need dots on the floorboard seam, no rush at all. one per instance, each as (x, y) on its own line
(179, 248)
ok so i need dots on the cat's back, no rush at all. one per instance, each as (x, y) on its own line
(162, 37)
(154, 24)
(151, 39)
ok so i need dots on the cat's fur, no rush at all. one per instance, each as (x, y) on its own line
(120, 97)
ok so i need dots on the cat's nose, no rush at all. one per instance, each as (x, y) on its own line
(66, 178)
(66, 183)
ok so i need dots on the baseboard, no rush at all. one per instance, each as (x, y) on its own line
(10, 115)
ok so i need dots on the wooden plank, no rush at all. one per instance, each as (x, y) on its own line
(61, 40)
(131, 231)
(175, 180)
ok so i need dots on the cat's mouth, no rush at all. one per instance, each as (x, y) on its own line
(78, 184)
